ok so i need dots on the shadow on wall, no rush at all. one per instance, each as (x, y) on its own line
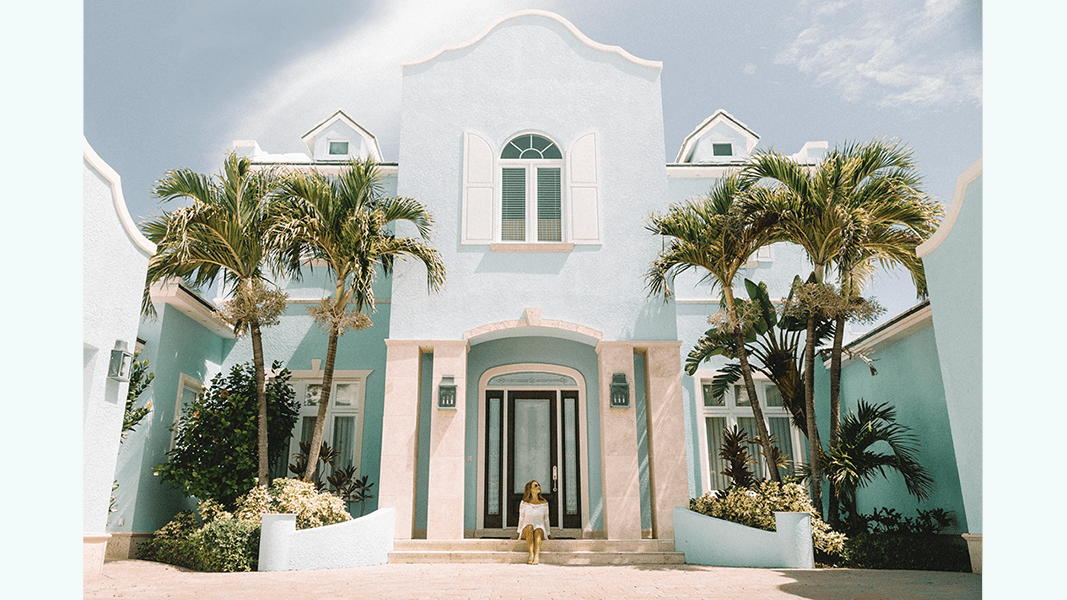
(655, 321)
(533, 263)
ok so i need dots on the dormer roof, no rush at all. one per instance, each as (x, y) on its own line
(709, 142)
(349, 140)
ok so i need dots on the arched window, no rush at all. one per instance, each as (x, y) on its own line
(531, 190)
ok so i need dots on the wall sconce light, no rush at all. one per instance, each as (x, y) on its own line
(119, 368)
(620, 391)
(446, 392)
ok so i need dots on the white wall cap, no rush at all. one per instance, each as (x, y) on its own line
(550, 15)
(811, 152)
(962, 182)
(247, 148)
(699, 170)
(98, 164)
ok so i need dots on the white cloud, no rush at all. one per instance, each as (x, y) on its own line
(359, 74)
(889, 53)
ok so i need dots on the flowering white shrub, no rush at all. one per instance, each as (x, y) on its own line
(756, 508)
(311, 507)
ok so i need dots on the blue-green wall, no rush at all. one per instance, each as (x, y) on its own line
(954, 276)
(909, 378)
(175, 344)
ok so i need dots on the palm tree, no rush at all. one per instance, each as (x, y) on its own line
(772, 349)
(223, 233)
(711, 232)
(853, 464)
(860, 206)
(346, 223)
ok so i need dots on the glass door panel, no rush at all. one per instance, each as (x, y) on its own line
(531, 449)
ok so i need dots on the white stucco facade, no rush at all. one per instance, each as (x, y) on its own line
(115, 258)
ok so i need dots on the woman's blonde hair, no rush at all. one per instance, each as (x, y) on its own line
(527, 493)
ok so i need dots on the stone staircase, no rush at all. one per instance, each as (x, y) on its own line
(553, 552)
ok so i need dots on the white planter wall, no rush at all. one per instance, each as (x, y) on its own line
(710, 541)
(362, 542)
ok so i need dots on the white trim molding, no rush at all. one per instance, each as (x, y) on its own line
(193, 306)
(655, 64)
(915, 319)
(962, 183)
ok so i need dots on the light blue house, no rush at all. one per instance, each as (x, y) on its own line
(540, 154)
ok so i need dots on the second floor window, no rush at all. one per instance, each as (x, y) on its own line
(531, 190)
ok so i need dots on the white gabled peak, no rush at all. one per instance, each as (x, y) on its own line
(340, 138)
(547, 15)
(721, 138)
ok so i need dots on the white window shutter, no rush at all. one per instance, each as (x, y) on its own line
(584, 192)
(478, 189)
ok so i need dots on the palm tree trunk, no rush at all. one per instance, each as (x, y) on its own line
(835, 406)
(750, 387)
(261, 401)
(324, 404)
(814, 451)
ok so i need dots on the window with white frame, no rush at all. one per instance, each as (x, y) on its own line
(189, 388)
(531, 190)
(734, 409)
(344, 420)
(519, 196)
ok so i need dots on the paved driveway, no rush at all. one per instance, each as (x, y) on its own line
(148, 581)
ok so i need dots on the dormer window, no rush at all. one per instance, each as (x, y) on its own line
(531, 190)
(338, 148)
(722, 149)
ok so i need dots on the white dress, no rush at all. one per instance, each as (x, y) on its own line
(535, 515)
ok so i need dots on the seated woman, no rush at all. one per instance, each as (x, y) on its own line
(533, 520)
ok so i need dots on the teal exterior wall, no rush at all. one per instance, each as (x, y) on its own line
(909, 378)
(954, 276)
(175, 344)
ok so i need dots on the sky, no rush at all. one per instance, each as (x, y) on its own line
(170, 85)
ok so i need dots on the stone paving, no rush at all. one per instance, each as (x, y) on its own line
(149, 581)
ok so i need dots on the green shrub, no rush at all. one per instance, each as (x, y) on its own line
(227, 545)
(892, 541)
(216, 440)
(756, 508)
(220, 541)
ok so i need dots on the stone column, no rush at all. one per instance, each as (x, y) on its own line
(400, 434)
(618, 439)
(444, 510)
(669, 481)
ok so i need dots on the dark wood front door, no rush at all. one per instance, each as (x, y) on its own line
(537, 432)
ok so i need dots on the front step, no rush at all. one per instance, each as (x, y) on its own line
(553, 552)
